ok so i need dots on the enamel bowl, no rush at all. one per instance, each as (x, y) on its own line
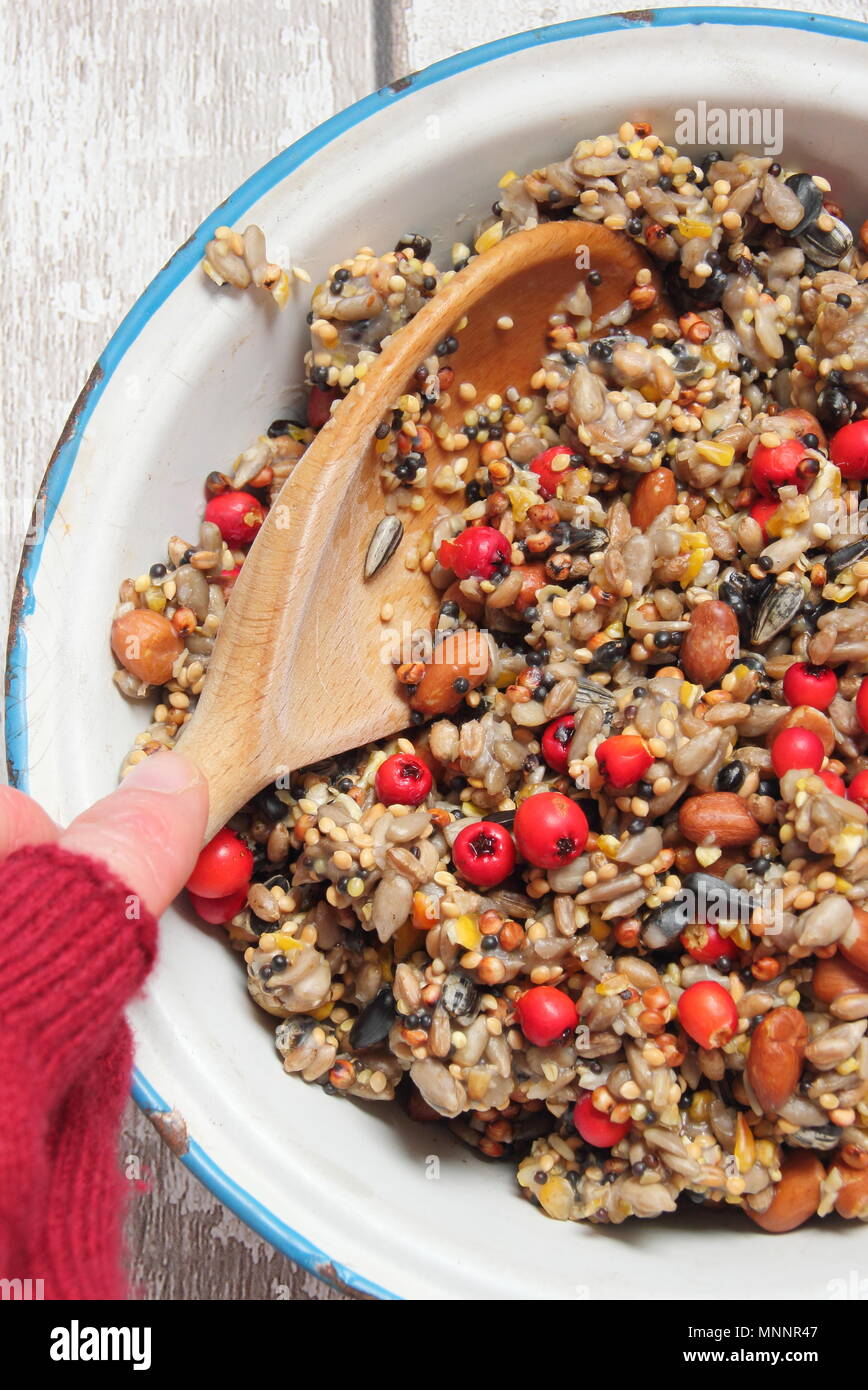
(357, 1193)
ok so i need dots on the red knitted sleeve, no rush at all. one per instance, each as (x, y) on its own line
(75, 946)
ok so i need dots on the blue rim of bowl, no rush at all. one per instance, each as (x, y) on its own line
(243, 1203)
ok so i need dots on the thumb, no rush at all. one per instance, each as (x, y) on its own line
(149, 832)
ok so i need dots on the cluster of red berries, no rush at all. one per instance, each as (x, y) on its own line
(789, 465)
(815, 687)
(549, 831)
(622, 759)
(218, 884)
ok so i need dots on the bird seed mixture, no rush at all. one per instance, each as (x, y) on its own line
(602, 909)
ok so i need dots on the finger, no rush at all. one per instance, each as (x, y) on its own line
(23, 822)
(150, 830)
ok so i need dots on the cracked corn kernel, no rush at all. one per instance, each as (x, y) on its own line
(556, 1198)
(745, 1148)
(489, 238)
(609, 845)
(690, 227)
(720, 454)
(466, 932)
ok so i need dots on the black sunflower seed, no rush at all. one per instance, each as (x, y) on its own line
(374, 1022)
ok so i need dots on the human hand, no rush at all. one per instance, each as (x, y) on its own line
(148, 832)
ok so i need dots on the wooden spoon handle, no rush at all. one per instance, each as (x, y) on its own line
(244, 729)
(225, 761)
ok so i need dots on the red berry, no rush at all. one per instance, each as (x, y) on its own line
(550, 830)
(833, 782)
(796, 748)
(218, 910)
(544, 1014)
(319, 405)
(549, 478)
(762, 511)
(810, 685)
(403, 780)
(708, 1014)
(475, 553)
(556, 742)
(227, 580)
(484, 853)
(596, 1128)
(849, 449)
(780, 466)
(858, 789)
(705, 943)
(238, 514)
(224, 866)
(623, 760)
(862, 704)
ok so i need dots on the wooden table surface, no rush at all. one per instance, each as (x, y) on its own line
(125, 123)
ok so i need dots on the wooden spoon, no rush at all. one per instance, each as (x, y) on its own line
(298, 671)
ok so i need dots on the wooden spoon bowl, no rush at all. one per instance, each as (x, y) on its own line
(300, 671)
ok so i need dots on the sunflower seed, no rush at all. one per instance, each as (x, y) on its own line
(293, 1031)
(589, 693)
(702, 898)
(810, 198)
(824, 1138)
(716, 900)
(374, 1022)
(585, 540)
(460, 997)
(826, 249)
(384, 543)
(778, 609)
(663, 924)
(846, 556)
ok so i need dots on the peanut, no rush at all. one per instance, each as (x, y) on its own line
(146, 644)
(710, 644)
(834, 978)
(852, 1199)
(797, 1195)
(853, 945)
(654, 491)
(461, 656)
(774, 1062)
(717, 818)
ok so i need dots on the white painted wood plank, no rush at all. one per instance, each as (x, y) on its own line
(124, 123)
(425, 32)
(184, 1244)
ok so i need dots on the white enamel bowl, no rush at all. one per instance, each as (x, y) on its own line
(188, 381)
